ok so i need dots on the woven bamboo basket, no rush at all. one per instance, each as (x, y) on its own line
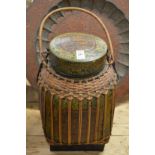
(77, 114)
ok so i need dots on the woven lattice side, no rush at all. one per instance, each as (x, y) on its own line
(78, 88)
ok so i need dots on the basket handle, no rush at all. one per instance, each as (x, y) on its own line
(111, 59)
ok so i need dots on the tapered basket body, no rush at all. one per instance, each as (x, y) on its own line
(77, 83)
(77, 112)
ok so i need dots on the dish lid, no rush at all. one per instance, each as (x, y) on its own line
(78, 47)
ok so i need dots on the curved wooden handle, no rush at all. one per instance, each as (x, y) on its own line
(77, 9)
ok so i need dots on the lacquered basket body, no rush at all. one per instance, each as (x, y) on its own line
(75, 112)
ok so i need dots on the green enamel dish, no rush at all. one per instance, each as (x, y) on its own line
(77, 54)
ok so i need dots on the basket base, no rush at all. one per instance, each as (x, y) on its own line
(89, 147)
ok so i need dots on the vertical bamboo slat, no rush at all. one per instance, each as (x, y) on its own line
(113, 101)
(52, 133)
(113, 107)
(80, 122)
(40, 104)
(69, 122)
(97, 119)
(60, 121)
(105, 114)
(89, 121)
